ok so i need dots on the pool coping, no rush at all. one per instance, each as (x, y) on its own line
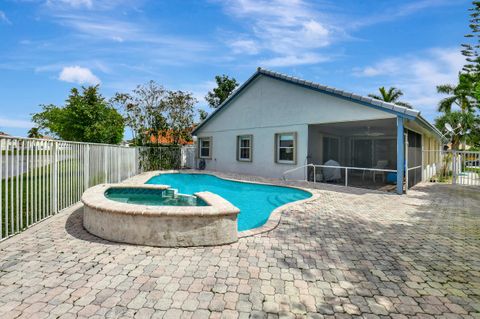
(275, 216)
(95, 198)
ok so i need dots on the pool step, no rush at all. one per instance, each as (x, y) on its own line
(170, 193)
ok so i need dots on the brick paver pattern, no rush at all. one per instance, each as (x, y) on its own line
(349, 253)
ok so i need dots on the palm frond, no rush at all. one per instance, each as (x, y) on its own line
(384, 94)
(445, 105)
(446, 89)
(395, 94)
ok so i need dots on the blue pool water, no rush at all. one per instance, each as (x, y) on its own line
(155, 197)
(255, 201)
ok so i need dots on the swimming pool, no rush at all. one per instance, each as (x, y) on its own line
(255, 201)
(155, 197)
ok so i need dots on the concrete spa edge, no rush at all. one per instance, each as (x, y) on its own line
(171, 226)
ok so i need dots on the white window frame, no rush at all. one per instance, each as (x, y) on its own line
(278, 136)
(240, 147)
(200, 147)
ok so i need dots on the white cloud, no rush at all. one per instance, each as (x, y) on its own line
(77, 74)
(398, 11)
(71, 3)
(291, 31)
(242, 46)
(89, 4)
(418, 75)
(104, 28)
(387, 66)
(4, 18)
(295, 32)
(289, 60)
(95, 26)
(13, 123)
(199, 90)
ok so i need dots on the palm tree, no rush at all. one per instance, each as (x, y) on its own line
(465, 124)
(391, 96)
(34, 133)
(460, 95)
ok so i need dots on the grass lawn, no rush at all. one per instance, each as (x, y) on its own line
(34, 199)
(472, 169)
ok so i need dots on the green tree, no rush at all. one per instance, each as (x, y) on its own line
(465, 125)
(392, 95)
(180, 112)
(462, 94)
(34, 132)
(225, 87)
(145, 111)
(471, 50)
(86, 117)
(202, 114)
(466, 94)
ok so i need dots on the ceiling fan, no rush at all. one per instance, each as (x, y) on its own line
(369, 133)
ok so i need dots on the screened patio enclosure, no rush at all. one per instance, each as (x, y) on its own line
(358, 145)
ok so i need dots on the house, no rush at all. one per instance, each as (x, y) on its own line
(2, 146)
(167, 137)
(275, 123)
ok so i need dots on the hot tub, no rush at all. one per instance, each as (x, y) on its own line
(157, 216)
(152, 196)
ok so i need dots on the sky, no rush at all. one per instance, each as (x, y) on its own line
(49, 46)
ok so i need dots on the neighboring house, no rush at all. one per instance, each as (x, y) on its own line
(166, 137)
(2, 146)
(274, 123)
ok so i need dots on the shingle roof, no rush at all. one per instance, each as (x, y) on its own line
(388, 107)
(349, 95)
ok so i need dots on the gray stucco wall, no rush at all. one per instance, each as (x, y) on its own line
(269, 106)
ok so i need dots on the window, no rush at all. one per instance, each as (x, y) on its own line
(244, 148)
(285, 148)
(205, 147)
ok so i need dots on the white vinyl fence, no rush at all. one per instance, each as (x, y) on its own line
(455, 167)
(39, 178)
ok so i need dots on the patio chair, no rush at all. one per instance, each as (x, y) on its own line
(381, 164)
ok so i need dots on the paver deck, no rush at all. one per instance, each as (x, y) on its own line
(348, 253)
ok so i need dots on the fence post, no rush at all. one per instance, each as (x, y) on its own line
(86, 166)
(314, 174)
(454, 167)
(105, 164)
(137, 161)
(346, 176)
(119, 163)
(55, 177)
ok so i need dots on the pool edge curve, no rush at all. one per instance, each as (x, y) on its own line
(275, 216)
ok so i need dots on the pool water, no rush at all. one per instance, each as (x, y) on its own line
(156, 197)
(255, 201)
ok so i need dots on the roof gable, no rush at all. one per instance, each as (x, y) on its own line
(391, 108)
